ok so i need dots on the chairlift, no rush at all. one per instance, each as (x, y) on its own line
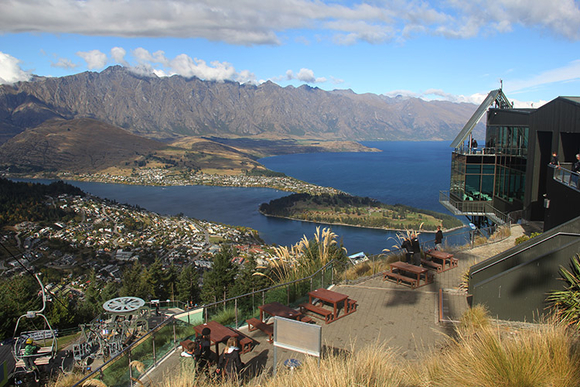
(45, 337)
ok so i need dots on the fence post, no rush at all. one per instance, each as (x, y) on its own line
(174, 331)
(287, 294)
(236, 311)
(130, 368)
(154, 354)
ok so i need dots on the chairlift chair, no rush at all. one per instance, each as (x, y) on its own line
(45, 337)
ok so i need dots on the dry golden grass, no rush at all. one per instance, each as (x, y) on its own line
(481, 353)
(369, 268)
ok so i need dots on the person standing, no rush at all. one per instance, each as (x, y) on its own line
(408, 248)
(416, 250)
(555, 161)
(202, 351)
(438, 238)
(576, 171)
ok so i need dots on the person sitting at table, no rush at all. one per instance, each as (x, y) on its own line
(202, 352)
(416, 250)
(230, 364)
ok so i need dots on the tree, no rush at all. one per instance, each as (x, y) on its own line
(187, 285)
(218, 281)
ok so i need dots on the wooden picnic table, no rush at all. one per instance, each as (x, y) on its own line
(277, 309)
(333, 298)
(418, 271)
(445, 258)
(218, 334)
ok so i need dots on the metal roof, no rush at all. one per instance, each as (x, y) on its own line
(496, 96)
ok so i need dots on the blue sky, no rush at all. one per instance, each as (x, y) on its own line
(456, 50)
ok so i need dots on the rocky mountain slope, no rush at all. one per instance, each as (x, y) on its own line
(175, 107)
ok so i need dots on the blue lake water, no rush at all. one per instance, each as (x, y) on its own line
(410, 173)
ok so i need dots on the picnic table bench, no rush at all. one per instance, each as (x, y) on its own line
(403, 267)
(325, 313)
(432, 265)
(399, 277)
(446, 259)
(254, 323)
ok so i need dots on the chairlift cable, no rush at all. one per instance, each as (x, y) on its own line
(33, 275)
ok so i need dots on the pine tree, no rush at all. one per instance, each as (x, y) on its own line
(187, 285)
(218, 281)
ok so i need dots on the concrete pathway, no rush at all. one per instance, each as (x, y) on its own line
(407, 320)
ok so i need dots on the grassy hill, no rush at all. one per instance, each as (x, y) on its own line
(356, 211)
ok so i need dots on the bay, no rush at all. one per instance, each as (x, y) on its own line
(410, 173)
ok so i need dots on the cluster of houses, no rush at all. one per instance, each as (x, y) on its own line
(164, 177)
(117, 235)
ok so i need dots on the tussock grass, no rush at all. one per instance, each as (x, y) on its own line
(481, 353)
(485, 355)
(368, 268)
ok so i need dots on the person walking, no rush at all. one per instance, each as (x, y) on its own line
(438, 238)
(230, 364)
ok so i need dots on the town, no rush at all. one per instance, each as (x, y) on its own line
(164, 177)
(104, 236)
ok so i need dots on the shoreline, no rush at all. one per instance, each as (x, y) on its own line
(359, 226)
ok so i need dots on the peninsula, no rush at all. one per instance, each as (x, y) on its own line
(358, 211)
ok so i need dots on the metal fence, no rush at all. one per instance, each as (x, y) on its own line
(233, 312)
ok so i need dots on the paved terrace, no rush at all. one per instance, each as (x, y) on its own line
(407, 320)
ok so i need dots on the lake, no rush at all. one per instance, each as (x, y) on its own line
(405, 172)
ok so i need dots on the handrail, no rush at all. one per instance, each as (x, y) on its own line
(205, 306)
(270, 288)
(480, 206)
(559, 233)
(566, 177)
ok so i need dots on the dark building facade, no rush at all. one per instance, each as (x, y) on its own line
(509, 175)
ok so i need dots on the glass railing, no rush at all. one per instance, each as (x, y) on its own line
(149, 349)
(503, 151)
(483, 207)
(566, 177)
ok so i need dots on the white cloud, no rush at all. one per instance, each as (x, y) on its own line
(255, 22)
(118, 55)
(157, 63)
(64, 63)
(568, 73)
(95, 59)
(10, 71)
(304, 75)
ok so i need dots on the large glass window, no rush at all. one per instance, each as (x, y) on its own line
(508, 140)
(472, 177)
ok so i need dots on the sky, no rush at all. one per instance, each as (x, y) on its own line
(455, 50)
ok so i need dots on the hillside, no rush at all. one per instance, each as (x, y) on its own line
(89, 146)
(176, 107)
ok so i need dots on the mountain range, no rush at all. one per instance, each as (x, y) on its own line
(172, 109)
